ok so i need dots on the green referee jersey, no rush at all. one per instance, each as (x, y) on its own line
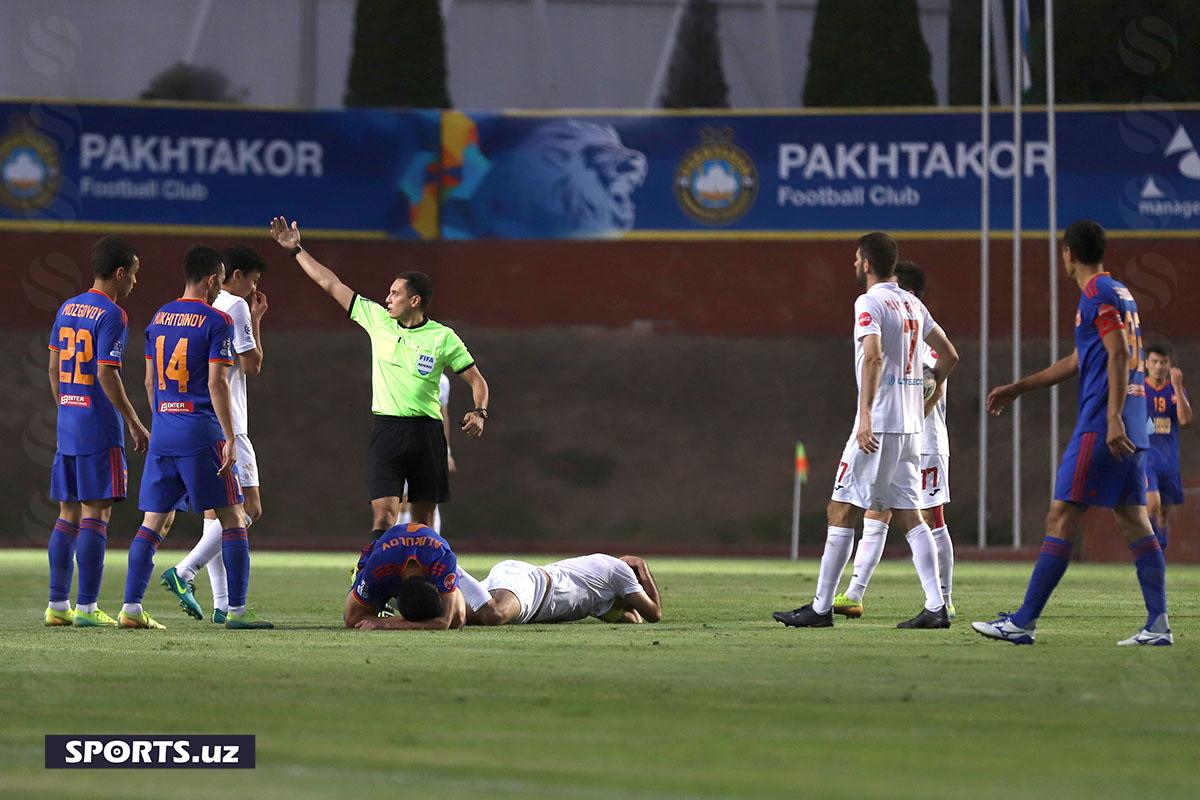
(407, 363)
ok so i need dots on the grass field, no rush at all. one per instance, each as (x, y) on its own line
(717, 701)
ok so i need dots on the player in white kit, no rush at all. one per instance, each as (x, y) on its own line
(246, 306)
(935, 485)
(880, 466)
(612, 589)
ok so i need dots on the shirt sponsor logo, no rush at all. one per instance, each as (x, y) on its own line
(75, 400)
(176, 407)
(864, 319)
(425, 364)
(118, 349)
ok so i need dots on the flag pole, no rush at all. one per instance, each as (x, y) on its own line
(984, 267)
(1052, 231)
(800, 478)
(1018, 78)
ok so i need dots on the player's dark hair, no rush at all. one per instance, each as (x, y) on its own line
(911, 278)
(200, 261)
(111, 253)
(881, 252)
(419, 284)
(245, 258)
(418, 599)
(1163, 348)
(1086, 241)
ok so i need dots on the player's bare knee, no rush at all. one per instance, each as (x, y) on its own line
(842, 515)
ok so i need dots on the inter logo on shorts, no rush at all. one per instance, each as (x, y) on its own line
(425, 364)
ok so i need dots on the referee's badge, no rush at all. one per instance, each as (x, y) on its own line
(425, 364)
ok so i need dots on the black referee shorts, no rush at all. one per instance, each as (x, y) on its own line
(412, 450)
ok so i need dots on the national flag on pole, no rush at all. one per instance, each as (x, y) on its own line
(801, 463)
(1026, 72)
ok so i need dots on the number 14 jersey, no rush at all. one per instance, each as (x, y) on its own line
(183, 338)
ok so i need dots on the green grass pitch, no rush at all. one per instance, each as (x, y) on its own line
(717, 701)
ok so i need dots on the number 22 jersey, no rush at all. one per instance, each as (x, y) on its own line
(183, 338)
(1105, 306)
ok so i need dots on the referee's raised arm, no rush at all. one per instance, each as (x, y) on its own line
(288, 237)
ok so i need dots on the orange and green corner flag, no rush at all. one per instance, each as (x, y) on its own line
(801, 463)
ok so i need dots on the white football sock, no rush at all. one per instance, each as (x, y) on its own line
(86, 608)
(870, 550)
(237, 610)
(132, 609)
(60, 605)
(437, 520)
(220, 584)
(945, 556)
(838, 544)
(924, 556)
(405, 516)
(208, 546)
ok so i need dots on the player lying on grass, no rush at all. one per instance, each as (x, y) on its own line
(612, 589)
(418, 568)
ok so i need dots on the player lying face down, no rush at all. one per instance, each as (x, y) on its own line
(417, 567)
(612, 589)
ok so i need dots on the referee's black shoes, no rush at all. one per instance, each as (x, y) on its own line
(927, 619)
(805, 617)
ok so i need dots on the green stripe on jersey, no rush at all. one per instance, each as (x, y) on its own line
(407, 363)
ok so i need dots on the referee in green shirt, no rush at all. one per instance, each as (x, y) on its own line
(409, 351)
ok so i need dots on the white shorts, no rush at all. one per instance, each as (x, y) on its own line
(935, 481)
(888, 478)
(247, 462)
(524, 580)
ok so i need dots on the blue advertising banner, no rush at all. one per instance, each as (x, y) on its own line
(352, 172)
(788, 174)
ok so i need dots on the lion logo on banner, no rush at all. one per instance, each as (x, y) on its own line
(567, 178)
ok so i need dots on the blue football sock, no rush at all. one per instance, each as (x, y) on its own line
(1152, 576)
(235, 554)
(1047, 572)
(61, 551)
(141, 563)
(93, 540)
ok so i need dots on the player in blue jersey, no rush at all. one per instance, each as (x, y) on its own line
(1104, 464)
(87, 345)
(417, 567)
(1169, 409)
(192, 455)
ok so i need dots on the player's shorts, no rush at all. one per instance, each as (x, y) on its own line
(527, 581)
(412, 450)
(247, 462)
(935, 480)
(1167, 483)
(888, 478)
(1090, 476)
(96, 476)
(171, 483)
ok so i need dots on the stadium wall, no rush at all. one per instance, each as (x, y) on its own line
(647, 395)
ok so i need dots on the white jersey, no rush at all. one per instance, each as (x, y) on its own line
(902, 322)
(243, 342)
(586, 586)
(934, 440)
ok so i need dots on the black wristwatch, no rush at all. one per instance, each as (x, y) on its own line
(480, 411)
(297, 250)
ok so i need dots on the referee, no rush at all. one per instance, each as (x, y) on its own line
(409, 351)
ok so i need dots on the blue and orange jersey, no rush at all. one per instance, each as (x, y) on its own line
(1106, 306)
(380, 569)
(89, 329)
(1163, 408)
(183, 338)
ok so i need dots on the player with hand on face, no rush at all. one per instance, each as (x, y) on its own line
(87, 346)
(880, 466)
(1169, 408)
(612, 589)
(1105, 462)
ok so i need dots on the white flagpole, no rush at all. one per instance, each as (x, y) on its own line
(1018, 165)
(1052, 231)
(984, 268)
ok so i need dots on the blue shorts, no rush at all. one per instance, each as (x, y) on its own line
(171, 483)
(1090, 476)
(1167, 483)
(96, 476)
